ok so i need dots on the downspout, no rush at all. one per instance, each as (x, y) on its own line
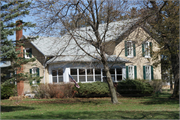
(44, 65)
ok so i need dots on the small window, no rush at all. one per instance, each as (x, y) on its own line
(97, 74)
(90, 75)
(147, 49)
(74, 74)
(57, 76)
(28, 52)
(130, 50)
(82, 75)
(119, 74)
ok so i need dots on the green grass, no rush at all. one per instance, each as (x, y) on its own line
(130, 108)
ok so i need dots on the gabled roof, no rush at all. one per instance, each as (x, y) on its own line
(67, 49)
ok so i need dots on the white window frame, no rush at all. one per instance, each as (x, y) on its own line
(132, 71)
(130, 49)
(57, 76)
(94, 75)
(25, 51)
(147, 50)
(148, 72)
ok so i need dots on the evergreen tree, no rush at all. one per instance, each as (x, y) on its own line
(10, 12)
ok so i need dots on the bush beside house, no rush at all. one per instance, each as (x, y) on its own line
(134, 88)
(95, 89)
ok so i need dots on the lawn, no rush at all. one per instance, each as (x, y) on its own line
(92, 108)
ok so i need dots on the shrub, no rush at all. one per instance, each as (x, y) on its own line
(8, 91)
(157, 85)
(62, 90)
(95, 89)
(134, 88)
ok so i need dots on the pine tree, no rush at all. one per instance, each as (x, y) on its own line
(11, 11)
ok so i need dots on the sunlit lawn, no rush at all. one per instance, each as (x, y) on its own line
(83, 108)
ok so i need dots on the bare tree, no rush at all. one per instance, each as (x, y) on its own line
(93, 16)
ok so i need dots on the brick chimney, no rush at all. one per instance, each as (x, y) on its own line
(20, 84)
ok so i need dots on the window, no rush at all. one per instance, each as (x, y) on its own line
(119, 74)
(57, 76)
(130, 50)
(28, 52)
(112, 71)
(131, 72)
(82, 75)
(34, 73)
(90, 75)
(147, 49)
(148, 72)
(74, 74)
(97, 74)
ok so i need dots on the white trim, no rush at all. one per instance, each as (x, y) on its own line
(132, 71)
(149, 66)
(25, 55)
(128, 49)
(145, 48)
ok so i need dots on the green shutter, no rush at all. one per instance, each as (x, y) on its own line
(127, 76)
(134, 49)
(144, 72)
(30, 52)
(150, 49)
(152, 76)
(24, 53)
(125, 43)
(143, 50)
(135, 72)
(37, 71)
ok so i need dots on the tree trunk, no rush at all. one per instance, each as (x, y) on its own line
(171, 84)
(175, 70)
(114, 99)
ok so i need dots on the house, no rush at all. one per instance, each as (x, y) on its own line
(56, 57)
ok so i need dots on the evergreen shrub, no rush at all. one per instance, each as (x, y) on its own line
(134, 88)
(8, 91)
(95, 89)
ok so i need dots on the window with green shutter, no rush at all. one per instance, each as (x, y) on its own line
(147, 49)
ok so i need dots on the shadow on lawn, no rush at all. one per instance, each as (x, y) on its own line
(102, 115)
(5, 108)
(162, 99)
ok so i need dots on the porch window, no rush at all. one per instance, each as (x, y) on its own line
(74, 74)
(97, 74)
(119, 74)
(82, 75)
(89, 75)
(57, 76)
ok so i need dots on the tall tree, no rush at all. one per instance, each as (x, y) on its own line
(165, 29)
(11, 49)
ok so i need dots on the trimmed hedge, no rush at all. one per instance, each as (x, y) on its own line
(7, 91)
(134, 88)
(95, 89)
